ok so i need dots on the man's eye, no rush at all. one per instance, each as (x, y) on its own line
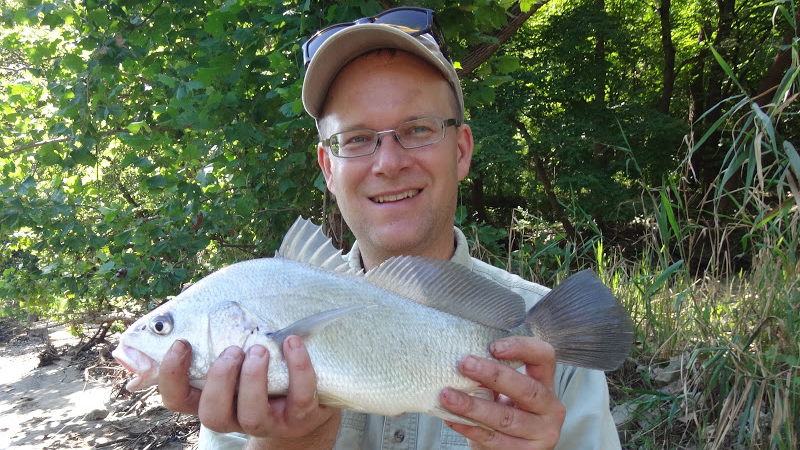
(421, 129)
(360, 139)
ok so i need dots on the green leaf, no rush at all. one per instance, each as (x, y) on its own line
(285, 184)
(134, 127)
(106, 268)
(726, 68)
(794, 159)
(73, 62)
(156, 182)
(168, 81)
(84, 156)
(99, 17)
(526, 5)
(507, 64)
(49, 156)
(142, 161)
(214, 23)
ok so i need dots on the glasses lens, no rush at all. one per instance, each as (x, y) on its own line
(312, 44)
(409, 20)
(420, 132)
(350, 144)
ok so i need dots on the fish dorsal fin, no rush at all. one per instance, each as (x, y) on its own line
(452, 288)
(305, 242)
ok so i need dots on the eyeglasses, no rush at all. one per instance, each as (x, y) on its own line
(412, 134)
(414, 21)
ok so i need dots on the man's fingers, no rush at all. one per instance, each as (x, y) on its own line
(503, 418)
(508, 426)
(252, 409)
(539, 356)
(217, 407)
(302, 398)
(173, 380)
(526, 392)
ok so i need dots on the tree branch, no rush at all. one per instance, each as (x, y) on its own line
(66, 138)
(34, 145)
(478, 54)
(147, 17)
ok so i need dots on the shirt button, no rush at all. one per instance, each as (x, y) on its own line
(399, 436)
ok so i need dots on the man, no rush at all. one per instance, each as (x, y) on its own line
(389, 111)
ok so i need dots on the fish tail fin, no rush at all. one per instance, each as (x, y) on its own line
(583, 321)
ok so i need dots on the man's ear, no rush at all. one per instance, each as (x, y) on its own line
(324, 161)
(465, 148)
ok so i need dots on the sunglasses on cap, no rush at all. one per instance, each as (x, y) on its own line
(414, 21)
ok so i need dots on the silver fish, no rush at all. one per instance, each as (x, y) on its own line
(385, 342)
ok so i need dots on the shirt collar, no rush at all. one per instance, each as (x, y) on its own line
(460, 256)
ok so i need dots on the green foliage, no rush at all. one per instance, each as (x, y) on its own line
(147, 144)
(586, 143)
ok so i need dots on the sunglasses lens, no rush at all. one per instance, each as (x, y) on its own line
(408, 20)
(312, 45)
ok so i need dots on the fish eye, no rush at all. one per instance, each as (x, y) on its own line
(161, 324)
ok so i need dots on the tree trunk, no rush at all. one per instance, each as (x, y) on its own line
(707, 159)
(479, 197)
(544, 178)
(598, 149)
(668, 81)
(775, 72)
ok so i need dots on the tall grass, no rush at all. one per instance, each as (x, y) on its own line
(729, 331)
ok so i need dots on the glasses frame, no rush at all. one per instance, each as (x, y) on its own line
(445, 124)
(432, 27)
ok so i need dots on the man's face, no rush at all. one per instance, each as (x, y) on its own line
(396, 201)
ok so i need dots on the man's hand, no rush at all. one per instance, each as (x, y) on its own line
(526, 413)
(223, 409)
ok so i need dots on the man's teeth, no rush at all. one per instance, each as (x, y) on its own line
(394, 198)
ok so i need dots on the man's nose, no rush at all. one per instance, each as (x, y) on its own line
(391, 156)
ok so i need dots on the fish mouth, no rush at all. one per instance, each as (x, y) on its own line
(144, 368)
(396, 197)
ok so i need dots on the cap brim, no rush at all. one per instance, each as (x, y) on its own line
(344, 46)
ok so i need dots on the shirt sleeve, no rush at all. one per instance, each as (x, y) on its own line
(588, 423)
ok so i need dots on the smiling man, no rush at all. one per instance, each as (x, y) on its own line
(396, 200)
(393, 148)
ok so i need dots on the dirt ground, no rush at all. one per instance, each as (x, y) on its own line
(54, 398)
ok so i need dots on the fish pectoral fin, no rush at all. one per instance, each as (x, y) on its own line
(444, 414)
(239, 325)
(313, 324)
(479, 392)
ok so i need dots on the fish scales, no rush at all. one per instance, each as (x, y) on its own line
(386, 342)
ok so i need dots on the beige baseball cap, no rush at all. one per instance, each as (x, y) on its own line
(349, 43)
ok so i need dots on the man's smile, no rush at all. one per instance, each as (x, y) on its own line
(395, 197)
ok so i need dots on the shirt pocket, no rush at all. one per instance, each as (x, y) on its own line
(450, 440)
(351, 431)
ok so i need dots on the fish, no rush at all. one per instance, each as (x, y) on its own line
(386, 341)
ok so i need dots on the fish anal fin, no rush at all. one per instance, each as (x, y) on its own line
(334, 401)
